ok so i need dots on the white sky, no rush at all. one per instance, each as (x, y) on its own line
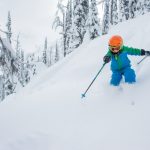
(32, 19)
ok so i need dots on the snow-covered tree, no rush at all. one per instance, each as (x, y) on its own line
(20, 61)
(78, 25)
(17, 51)
(106, 17)
(7, 59)
(2, 89)
(45, 52)
(27, 72)
(133, 8)
(60, 22)
(68, 25)
(8, 25)
(147, 5)
(50, 56)
(30, 68)
(22, 68)
(140, 8)
(93, 24)
(124, 8)
(113, 12)
(85, 6)
(56, 53)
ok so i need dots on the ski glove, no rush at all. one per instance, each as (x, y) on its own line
(106, 59)
(143, 52)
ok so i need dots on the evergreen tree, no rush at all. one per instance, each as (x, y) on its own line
(140, 8)
(106, 18)
(92, 24)
(147, 5)
(50, 57)
(22, 69)
(78, 26)
(18, 59)
(68, 25)
(58, 22)
(17, 50)
(2, 89)
(56, 53)
(124, 8)
(9, 33)
(27, 73)
(19, 67)
(78, 22)
(85, 6)
(113, 12)
(133, 8)
(44, 52)
(75, 37)
(9, 88)
(7, 59)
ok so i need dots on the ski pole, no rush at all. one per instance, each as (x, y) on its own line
(83, 95)
(142, 60)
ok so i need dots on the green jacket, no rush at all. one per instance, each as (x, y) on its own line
(120, 60)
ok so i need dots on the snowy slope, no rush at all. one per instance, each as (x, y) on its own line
(49, 114)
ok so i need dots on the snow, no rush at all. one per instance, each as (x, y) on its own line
(49, 114)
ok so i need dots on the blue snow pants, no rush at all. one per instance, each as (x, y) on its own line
(128, 73)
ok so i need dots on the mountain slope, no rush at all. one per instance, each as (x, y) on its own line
(50, 114)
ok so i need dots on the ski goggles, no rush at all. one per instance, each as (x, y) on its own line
(115, 48)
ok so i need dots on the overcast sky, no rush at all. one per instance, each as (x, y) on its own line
(32, 19)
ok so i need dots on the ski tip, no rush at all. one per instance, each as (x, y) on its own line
(83, 95)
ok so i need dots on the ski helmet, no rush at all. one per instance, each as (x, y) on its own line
(116, 41)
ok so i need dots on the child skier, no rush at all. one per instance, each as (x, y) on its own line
(120, 63)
